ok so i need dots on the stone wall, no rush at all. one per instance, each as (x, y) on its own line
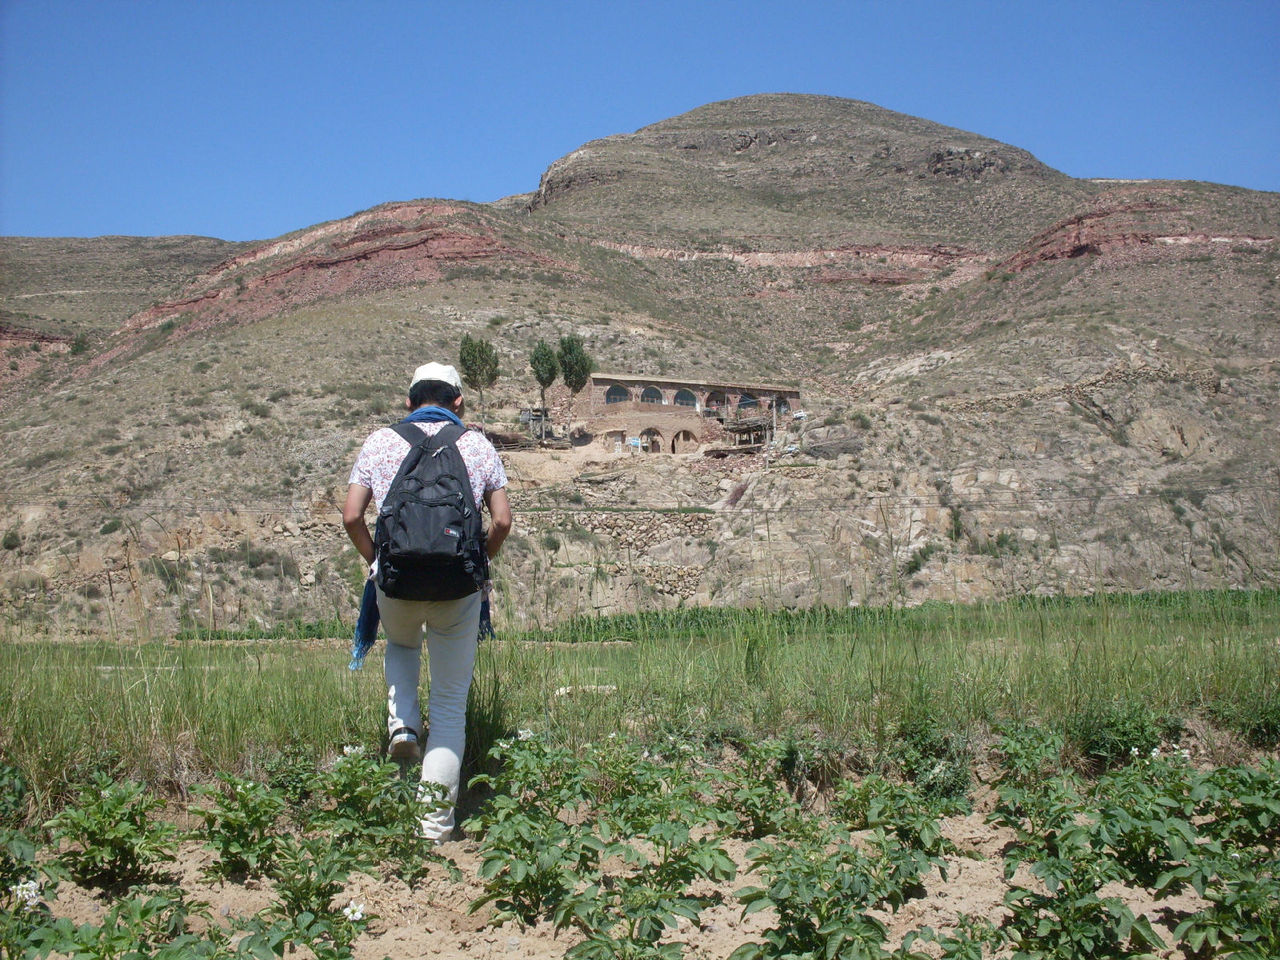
(612, 426)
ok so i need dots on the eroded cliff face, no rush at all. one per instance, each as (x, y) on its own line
(390, 247)
(1122, 231)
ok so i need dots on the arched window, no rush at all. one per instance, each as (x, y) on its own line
(684, 442)
(747, 402)
(716, 400)
(782, 406)
(686, 398)
(651, 441)
(651, 395)
(617, 394)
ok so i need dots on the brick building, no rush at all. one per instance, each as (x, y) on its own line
(677, 416)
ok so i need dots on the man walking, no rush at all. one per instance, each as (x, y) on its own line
(449, 626)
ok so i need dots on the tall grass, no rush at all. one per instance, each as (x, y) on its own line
(848, 672)
(171, 714)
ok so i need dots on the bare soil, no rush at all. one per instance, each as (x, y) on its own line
(431, 918)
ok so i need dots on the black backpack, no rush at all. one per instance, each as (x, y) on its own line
(429, 540)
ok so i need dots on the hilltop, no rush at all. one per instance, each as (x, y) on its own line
(1015, 380)
(776, 171)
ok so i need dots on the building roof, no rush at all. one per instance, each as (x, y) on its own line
(640, 378)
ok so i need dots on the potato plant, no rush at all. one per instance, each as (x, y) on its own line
(621, 849)
(109, 836)
(608, 842)
(241, 826)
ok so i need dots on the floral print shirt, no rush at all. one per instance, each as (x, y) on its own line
(380, 458)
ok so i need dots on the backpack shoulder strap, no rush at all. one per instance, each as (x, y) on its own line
(418, 441)
(409, 433)
(451, 433)
(413, 436)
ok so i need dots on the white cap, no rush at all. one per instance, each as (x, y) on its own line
(437, 371)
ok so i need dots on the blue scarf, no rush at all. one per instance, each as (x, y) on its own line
(433, 414)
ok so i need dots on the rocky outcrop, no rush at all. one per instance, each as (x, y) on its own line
(633, 530)
(1108, 231)
(14, 335)
(973, 164)
(828, 443)
(24, 350)
(1121, 373)
(934, 257)
(569, 174)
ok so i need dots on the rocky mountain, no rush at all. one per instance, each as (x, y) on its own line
(1014, 381)
(779, 171)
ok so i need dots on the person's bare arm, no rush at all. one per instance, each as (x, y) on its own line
(499, 520)
(358, 498)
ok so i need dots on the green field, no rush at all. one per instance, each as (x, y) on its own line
(631, 777)
(845, 682)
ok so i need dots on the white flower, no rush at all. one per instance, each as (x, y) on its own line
(27, 894)
(350, 751)
(353, 911)
(1155, 753)
(1186, 756)
(1133, 751)
(524, 734)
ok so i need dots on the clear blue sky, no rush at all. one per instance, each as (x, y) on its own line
(245, 120)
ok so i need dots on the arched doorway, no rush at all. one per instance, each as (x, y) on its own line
(686, 398)
(748, 401)
(684, 442)
(782, 406)
(717, 401)
(651, 395)
(651, 441)
(617, 394)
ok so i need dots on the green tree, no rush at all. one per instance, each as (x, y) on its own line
(479, 361)
(575, 367)
(545, 370)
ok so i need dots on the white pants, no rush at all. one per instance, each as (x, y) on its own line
(450, 628)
